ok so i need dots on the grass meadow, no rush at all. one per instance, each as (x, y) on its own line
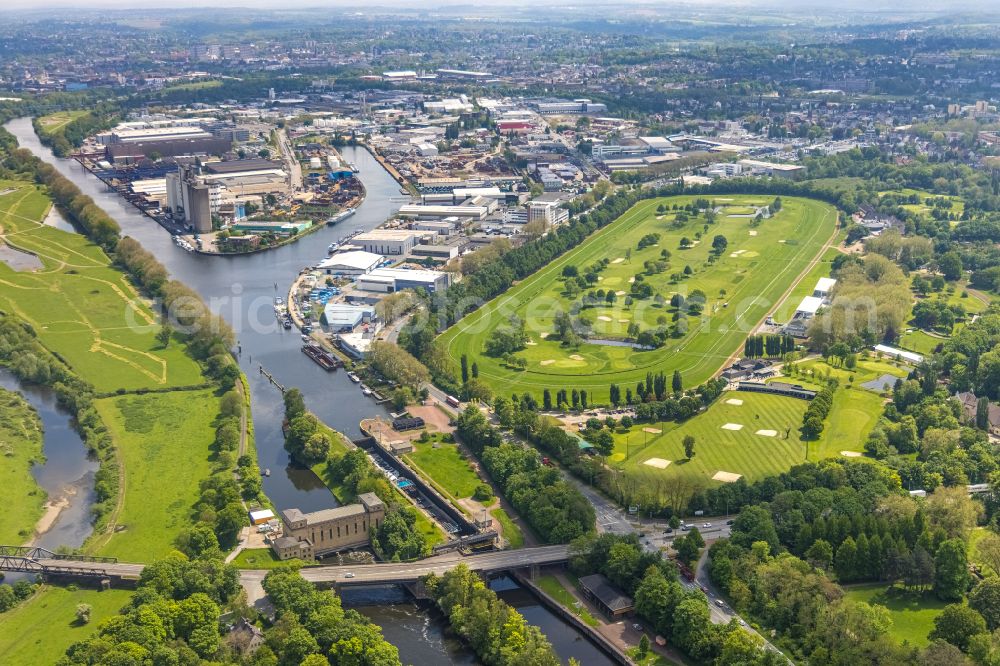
(757, 268)
(21, 447)
(446, 466)
(164, 444)
(80, 306)
(912, 614)
(39, 630)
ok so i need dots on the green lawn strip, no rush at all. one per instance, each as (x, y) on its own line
(256, 558)
(21, 447)
(754, 271)
(41, 629)
(446, 466)
(554, 588)
(920, 342)
(83, 308)
(511, 532)
(912, 614)
(163, 442)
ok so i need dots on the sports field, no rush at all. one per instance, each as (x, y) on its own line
(745, 433)
(79, 305)
(164, 443)
(757, 268)
(719, 445)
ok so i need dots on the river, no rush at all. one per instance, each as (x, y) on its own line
(242, 289)
(67, 475)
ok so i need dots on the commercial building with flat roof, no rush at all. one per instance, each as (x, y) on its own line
(344, 317)
(792, 171)
(421, 210)
(386, 241)
(355, 262)
(390, 280)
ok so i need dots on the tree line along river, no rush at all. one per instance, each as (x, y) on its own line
(242, 290)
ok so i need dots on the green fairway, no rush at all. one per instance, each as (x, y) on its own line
(163, 442)
(718, 449)
(854, 413)
(444, 463)
(912, 615)
(21, 447)
(756, 269)
(40, 629)
(80, 306)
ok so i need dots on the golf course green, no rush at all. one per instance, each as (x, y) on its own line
(760, 262)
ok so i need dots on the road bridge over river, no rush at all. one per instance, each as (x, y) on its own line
(44, 562)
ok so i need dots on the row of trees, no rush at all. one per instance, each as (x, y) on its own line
(813, 419)
(759, 346)
(556, 510)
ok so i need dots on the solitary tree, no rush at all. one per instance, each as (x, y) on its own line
(677, 383)
(689, 446)
(83, 613)
(163, 336)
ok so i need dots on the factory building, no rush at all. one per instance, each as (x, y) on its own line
(344, 317)
(355, 262)
(421, 210)
(773, 169)
(386, 241)
(391, 280)
(306, 535)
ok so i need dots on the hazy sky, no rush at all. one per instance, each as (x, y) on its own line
(897, 6)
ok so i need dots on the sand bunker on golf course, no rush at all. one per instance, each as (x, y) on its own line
(767, 433)
(658, 463)
(654, 431)
(618, 260)
(851, 454)
(603, 318)
(577, 357)
(548, 361)
(726, 477)
(734, 401)
(733, 426)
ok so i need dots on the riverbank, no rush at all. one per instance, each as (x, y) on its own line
(23, 499)
(61, 475)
